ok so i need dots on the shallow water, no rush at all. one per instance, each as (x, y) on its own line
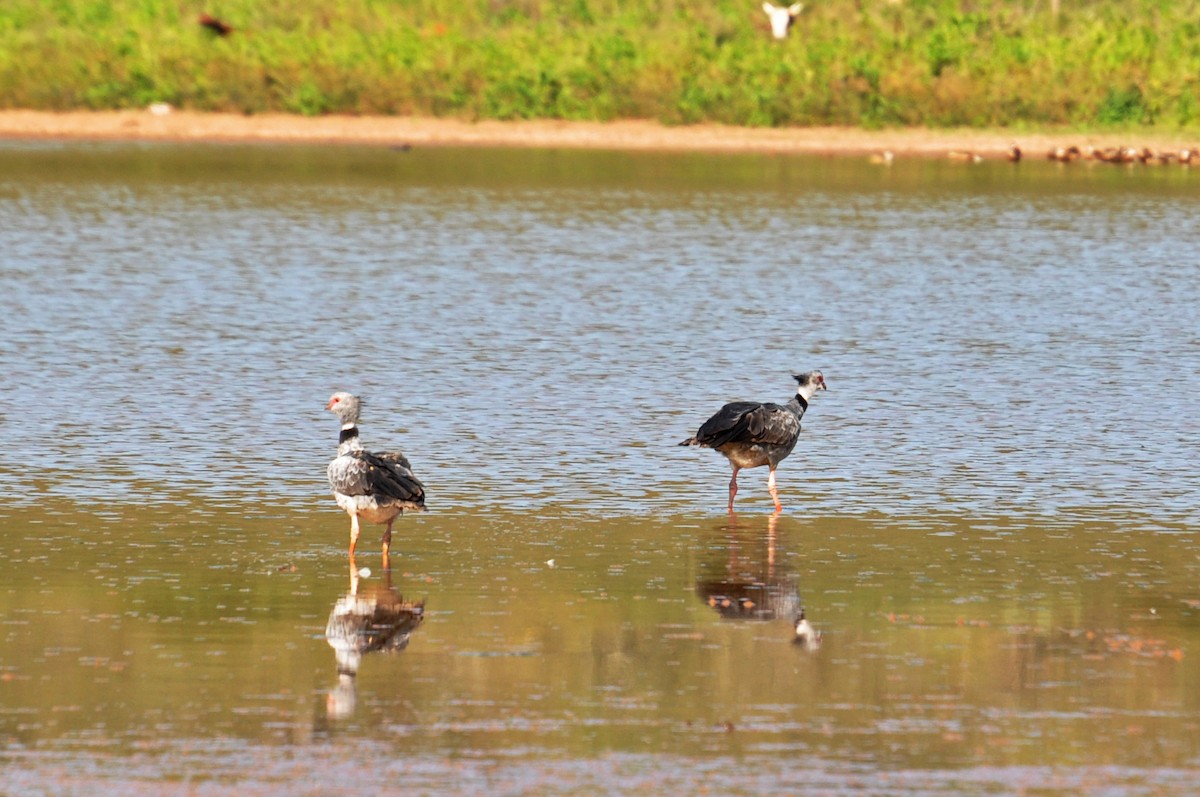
(990, 517)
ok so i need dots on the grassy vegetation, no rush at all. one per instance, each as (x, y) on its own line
(868, 63)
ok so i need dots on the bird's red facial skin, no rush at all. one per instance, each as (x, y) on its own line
(332, 401)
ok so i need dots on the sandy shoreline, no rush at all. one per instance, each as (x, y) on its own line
(186, 126)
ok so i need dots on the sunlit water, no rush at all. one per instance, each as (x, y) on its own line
(990, 516)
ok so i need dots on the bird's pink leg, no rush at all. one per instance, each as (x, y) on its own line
(353, 532)
(387, 542)
(773, 490)
(733, 487)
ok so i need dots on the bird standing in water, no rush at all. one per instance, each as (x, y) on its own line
(751, 434)
(376, 487)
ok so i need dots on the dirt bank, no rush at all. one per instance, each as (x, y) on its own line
(176, 125)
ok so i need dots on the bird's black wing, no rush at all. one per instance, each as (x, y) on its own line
(396, 458)
(384, 475)
(749, 422)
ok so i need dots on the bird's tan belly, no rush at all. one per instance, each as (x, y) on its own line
(745, 456)
(366, 508)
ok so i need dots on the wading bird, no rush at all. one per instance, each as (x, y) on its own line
(751, 434)
(375, 487)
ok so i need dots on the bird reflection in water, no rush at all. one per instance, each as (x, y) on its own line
(806, 637)
(747, 584)
(366, 620)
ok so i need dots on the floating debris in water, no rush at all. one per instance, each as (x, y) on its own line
(365, 572)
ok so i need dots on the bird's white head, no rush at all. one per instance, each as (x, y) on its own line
(346, 406)
(809, 383)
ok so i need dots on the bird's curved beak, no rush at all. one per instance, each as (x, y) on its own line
(329, 406)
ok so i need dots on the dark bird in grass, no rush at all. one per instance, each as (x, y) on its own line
(375, 487)
(751, 434)
(215, 25)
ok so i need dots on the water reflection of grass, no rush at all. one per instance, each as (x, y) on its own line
(937, 63)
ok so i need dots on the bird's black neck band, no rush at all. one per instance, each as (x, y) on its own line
(803, 402)
(348, 434)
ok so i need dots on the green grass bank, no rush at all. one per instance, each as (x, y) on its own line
(1109, 64)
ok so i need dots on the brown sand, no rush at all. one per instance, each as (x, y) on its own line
(175, 125)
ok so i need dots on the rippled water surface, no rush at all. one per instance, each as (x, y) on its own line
(990, 517)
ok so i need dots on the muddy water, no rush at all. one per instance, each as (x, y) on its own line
(990, 519)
